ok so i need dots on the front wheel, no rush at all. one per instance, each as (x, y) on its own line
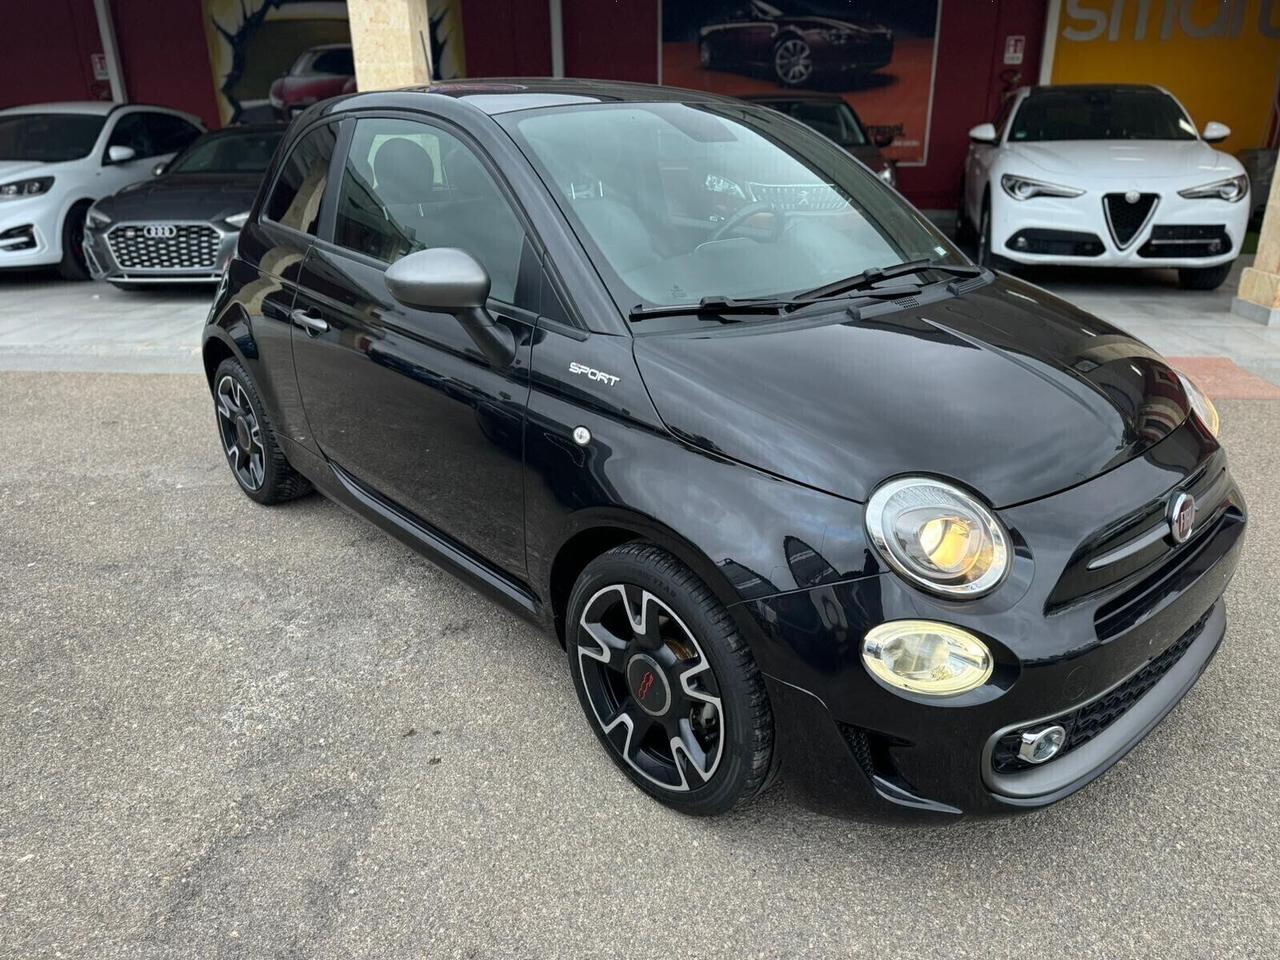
(667, 681)
(1203, 278)
(73, 266)
(249, 440)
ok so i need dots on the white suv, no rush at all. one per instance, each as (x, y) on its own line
(56, 159)
(1108, 176)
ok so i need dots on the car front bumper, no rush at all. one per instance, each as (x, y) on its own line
(121, 252)
(30, 230)
(1108, 664)
(1061, 230)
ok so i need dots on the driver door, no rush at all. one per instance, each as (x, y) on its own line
(401, 401)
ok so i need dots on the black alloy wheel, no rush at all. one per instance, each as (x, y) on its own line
(667, 681)
(73, 265)
(249, 441)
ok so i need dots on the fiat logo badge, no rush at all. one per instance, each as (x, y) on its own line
(1182, 517)
(1133, 196)
(160, 231)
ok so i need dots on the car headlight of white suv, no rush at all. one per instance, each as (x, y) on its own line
(25, 188)
(1231, 189)
(1024, 188)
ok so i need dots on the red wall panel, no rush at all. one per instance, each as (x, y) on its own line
(507, 38)
(165, 56)
(44, 53)
(611, 39)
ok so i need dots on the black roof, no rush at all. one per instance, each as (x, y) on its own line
(505, 94)
(1095, 88)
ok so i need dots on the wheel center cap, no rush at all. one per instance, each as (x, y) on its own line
(648, 685)
(242, 433)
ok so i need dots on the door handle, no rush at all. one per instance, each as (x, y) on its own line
(308, 322)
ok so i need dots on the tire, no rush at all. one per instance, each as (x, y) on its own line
(985, 257)
(689, 675)
(1203, 278)
(792, 62)
(249, 439)
(72, 266)
(965, 234)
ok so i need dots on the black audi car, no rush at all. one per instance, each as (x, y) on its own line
(181, 226)
(798, 46)
(796, 485)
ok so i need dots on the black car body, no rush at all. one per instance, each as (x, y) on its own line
(796, 47)
(552, 434)
(181, 225)
(832, 116)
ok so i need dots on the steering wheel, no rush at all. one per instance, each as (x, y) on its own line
(745, 213)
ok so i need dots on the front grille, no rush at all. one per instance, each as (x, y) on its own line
(1186, 240)
(1127, 219)
(1133, 554)
(1086, 722)
(1058, 243)
(193, 246)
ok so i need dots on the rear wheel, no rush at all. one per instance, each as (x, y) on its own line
(1203, 278)
(667, 681)
(792, 62)
(249, 439)
(72, 266)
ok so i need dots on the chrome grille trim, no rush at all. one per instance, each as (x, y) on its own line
(194, 246)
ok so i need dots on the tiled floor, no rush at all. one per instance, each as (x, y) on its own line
(46, 324)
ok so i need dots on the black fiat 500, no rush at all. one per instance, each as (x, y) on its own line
(795, 484)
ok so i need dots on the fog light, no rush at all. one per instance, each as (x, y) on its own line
(1020, 243)
(1040, 745)
(935, 659)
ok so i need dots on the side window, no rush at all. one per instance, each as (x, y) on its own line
(408, 186)
(167, 133)
(131, 131)
(338, 62)
(295, 199)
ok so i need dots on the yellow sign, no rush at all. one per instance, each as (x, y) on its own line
(1221, 58)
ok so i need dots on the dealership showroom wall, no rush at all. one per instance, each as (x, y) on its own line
(857, 564)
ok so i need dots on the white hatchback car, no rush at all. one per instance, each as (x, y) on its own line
(56, 159)
(1109, 176)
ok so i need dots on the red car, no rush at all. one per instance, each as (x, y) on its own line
(317, 74)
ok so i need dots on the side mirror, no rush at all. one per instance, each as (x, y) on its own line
(984, 133)
(158, 169)
(448, 280)
(883, 139)
(120, 154)
(1215, 132)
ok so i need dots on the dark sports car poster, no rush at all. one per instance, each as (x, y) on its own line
(877, 55)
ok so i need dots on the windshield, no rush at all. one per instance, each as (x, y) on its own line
(240, 151)
(675, 202)
(48, 137)
(1100, 114)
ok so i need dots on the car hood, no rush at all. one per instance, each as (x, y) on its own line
(1007, 389)
(13, 169)
(1130, 160)
(182, 197)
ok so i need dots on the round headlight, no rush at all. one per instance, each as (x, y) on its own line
(935, 659)
(938, 536)
(1201, 405)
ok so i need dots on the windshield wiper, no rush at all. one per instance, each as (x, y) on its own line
(869, 278)
(722, 308)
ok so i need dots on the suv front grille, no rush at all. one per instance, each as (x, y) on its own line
(1086, 722)
(1127, 219)
(193, 246)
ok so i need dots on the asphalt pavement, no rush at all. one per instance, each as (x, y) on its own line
(236, 731)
